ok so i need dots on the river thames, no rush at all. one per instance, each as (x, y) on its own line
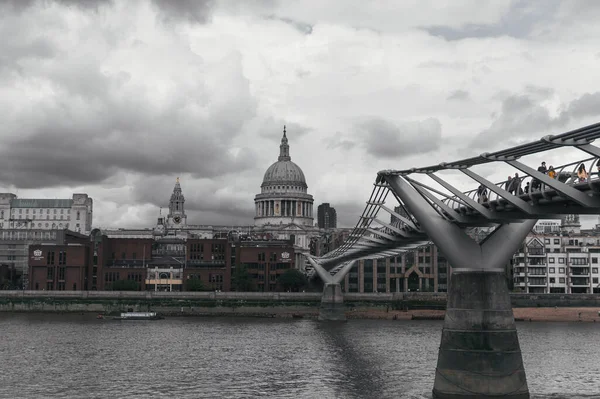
(77, 356)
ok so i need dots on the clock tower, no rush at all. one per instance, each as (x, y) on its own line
(176, 217)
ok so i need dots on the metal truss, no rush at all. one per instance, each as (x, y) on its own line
(422, 207)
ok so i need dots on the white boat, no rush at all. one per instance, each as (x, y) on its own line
(138, 316)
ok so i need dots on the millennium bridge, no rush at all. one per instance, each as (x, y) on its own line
(479, 354)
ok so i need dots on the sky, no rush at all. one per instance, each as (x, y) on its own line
(119, 98)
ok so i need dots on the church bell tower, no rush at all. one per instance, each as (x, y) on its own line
(176, 217)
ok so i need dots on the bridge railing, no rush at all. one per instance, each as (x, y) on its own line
(566, 173)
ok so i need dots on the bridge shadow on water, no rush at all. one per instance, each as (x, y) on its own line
(354, 375)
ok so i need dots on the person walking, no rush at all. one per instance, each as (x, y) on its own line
(582, 173)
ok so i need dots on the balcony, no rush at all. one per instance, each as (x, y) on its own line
(205, 263)
(537, 284)
(124, 263)
(579, 274)
(580, 282)
(165, 252)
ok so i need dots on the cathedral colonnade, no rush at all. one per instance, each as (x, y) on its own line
(285, 208)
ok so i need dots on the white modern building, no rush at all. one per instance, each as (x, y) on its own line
(74, 213)
(547, 226)
(558, 264)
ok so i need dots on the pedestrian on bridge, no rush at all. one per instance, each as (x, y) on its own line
(582, 173)
(482, 193)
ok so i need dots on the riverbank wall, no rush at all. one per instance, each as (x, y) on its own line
(269, 304)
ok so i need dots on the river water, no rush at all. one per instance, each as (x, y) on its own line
(77, 356)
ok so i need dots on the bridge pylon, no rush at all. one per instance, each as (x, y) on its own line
(332, 302)
(479, 354)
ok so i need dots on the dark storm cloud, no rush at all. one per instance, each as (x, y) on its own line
(519, 22)
(194, 11)
(459, 95)
(21, 5)
(385, 139)
(522, 117)
(94, 124)
(339, 141)
(586, 105)
(204, 200)
(301, 27)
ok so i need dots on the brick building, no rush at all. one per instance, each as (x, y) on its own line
(209, 260)
(115, 259)
(60, 266)
(265, 261)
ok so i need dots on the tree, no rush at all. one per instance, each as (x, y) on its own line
(125, 285)
(292, 280)
(194, 284)
(241, 279)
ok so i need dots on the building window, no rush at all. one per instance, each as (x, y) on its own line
(134, 256)
(546, 241)
(551, 269)
(552, 280)
(561, 280)
(561, 260)
(78, 215)
(50, 258)
(594, 260)
(594, 270)
(550, 260)
(61, 286)
(50, 273)
(74, 286)
(49, 286)
(595, 280)
(123, 255)
(557, 241)
(561, 269)
(61, 273)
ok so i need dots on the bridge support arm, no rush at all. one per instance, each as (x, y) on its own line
(332, 302)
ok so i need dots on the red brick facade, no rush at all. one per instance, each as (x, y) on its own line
(58, 267)
(265, 262)
(121, 259)
(210, 261)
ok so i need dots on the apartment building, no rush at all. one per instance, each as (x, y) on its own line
(557, 264)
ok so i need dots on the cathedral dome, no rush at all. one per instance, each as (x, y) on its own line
(284, 172)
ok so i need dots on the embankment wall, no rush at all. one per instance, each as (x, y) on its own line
(248, 303)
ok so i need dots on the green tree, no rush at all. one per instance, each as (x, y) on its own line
(241, 279)
(194, 284)
(292, 280)
(125, 285)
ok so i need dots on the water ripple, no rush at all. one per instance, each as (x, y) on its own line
(75, 356)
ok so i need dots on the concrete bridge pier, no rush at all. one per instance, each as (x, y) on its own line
(479, 355)
(332, 303)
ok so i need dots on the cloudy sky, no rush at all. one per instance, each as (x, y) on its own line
(118, 98)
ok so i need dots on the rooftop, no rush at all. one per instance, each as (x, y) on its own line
(40, 203)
